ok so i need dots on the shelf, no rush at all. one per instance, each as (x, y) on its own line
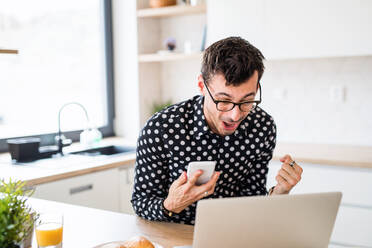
(8, 51)
(168, 57)
(172, 11)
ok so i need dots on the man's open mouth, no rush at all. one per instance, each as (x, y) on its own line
(229, 125)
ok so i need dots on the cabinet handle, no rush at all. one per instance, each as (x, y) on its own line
(81, 189)
(31, 188)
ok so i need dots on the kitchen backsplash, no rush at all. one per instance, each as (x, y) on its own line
(297, 93)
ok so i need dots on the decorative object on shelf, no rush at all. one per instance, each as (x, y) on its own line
(158, 106)
(8, 51)
(190, 2)
(17, 218)
(170, 43)
(162, 3)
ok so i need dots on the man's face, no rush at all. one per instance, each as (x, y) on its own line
(225, 123)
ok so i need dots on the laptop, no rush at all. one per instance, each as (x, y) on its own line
(298, 220)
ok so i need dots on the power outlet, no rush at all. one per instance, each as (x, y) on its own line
(337, 94)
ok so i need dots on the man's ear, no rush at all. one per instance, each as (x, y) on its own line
(201, 84)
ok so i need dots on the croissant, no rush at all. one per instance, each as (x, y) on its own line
(138, 242)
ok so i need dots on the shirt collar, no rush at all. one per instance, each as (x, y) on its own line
(200, 124)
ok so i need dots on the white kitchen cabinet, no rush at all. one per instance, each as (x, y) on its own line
(353, 227)
(236, 18)
(285, 29)
(354, 183)
(126, 188)
(354, 219)
(96, 190)
(318, 28)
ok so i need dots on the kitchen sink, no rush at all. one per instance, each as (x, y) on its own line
(106, 150)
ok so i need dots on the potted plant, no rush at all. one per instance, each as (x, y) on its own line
(157, 106)
(16, 218)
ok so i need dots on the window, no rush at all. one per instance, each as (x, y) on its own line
(65, 55)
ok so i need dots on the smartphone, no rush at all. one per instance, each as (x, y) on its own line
(206, 166)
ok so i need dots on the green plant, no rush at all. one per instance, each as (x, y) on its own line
(157, 106)
(16, 218)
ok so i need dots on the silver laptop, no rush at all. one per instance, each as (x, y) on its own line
(286, 221)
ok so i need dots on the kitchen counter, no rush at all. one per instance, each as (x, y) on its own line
(87, 227)
(339, 155)
(56, 168)
(49, 170)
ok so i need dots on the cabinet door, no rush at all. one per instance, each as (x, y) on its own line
(317, 28)
(354, 219)
(243, 18)
(353, 227)
(96, 190)
(354, 183)
(284, 29)
(126, 189)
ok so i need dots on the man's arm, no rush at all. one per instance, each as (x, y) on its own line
(150, 182)
(155, 196)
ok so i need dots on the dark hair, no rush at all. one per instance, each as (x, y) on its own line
(235, 58)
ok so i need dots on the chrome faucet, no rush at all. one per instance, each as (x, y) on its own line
(60, 138)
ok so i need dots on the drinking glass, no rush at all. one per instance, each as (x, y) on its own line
(49, 230)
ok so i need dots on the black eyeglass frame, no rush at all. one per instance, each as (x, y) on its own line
(234, 104)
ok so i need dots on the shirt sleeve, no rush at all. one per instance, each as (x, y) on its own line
(256, 183)
(150, 180)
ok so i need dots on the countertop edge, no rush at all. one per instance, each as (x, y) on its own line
(126, 163)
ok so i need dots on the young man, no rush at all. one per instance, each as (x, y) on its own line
(224, 124)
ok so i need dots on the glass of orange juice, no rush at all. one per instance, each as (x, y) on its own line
(49, 230)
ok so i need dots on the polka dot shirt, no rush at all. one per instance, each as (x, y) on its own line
(178, 135)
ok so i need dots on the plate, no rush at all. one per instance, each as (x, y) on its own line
(120, 242)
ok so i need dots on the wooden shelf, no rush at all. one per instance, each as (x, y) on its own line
(172, 11)
(8, 51)
(168, 57)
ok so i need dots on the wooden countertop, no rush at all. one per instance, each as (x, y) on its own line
(88, 227)
(49, 170)
(340, 155)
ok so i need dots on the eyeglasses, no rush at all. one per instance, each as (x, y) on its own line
(226, 106)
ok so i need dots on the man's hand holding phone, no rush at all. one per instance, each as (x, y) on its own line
(185, 190)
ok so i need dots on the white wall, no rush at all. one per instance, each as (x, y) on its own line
(306, 114)
(126, 70)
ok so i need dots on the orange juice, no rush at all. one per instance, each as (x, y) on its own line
(48, 234)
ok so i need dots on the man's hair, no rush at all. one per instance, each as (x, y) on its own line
(235, 58)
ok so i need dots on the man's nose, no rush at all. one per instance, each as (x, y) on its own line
(235, 113)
